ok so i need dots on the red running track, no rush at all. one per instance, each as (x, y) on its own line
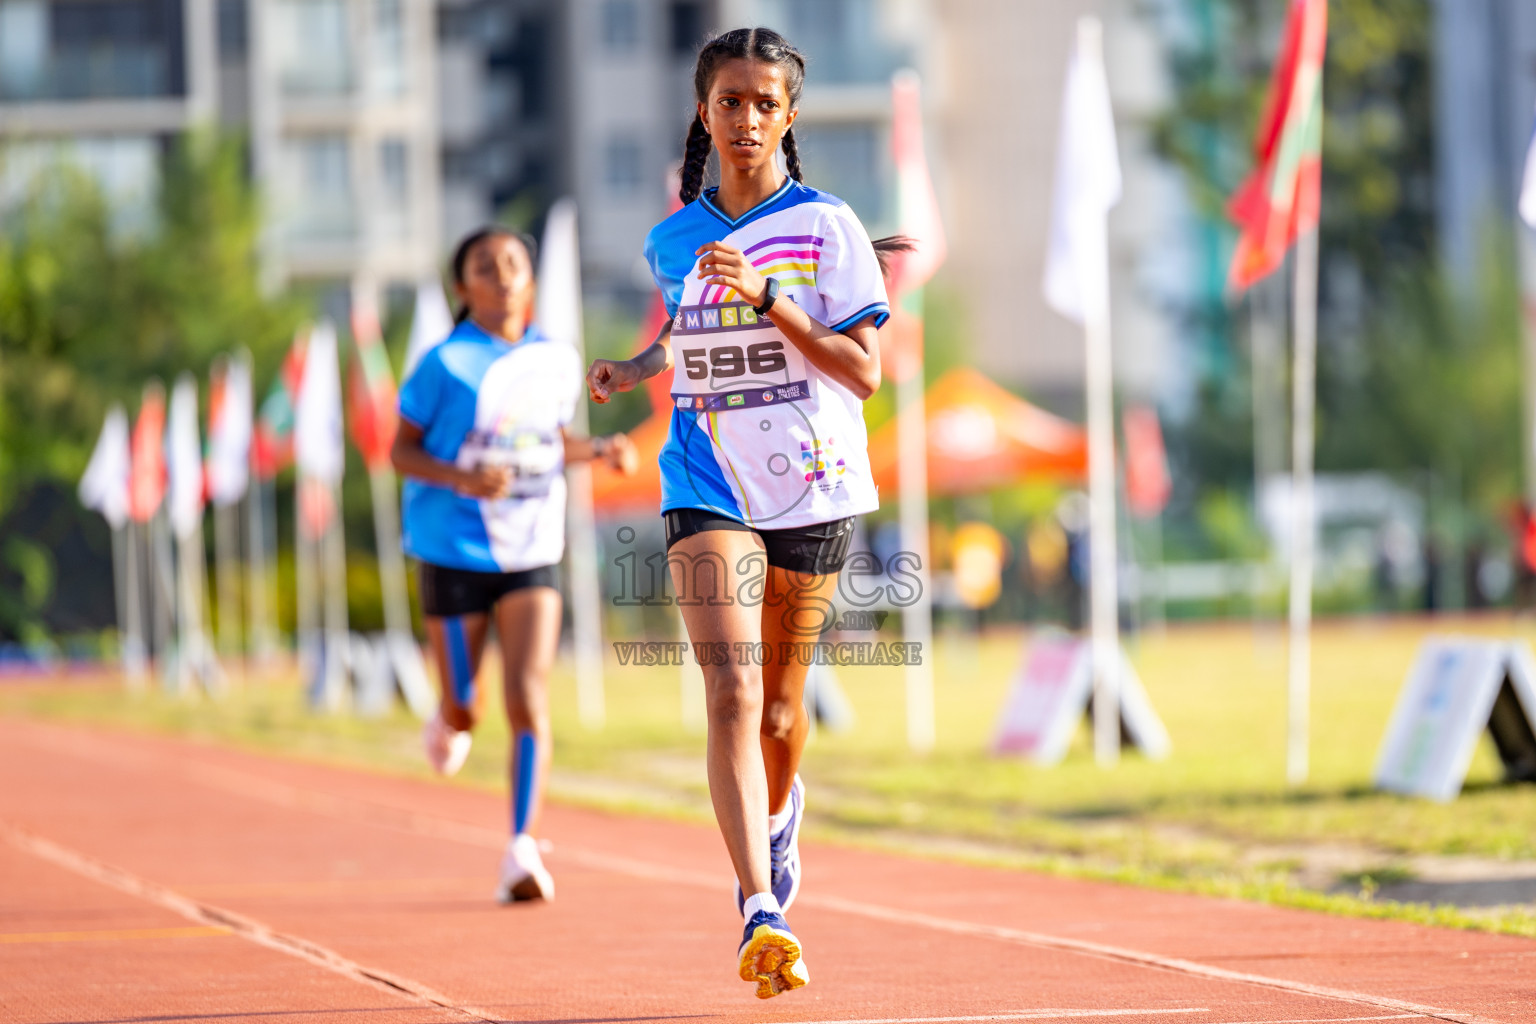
(154, 880)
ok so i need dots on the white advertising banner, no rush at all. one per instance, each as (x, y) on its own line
(1458, 687)
(1052, 693)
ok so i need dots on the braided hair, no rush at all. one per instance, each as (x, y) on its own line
(467, 245)
(759, 44)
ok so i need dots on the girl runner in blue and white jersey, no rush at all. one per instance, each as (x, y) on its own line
(483, 446)
(775, 294)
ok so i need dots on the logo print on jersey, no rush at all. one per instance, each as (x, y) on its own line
(711, 318)
(816, 460)
(691, 321)
(728, 316)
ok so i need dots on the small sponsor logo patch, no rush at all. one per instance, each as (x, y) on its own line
(735, 399)
(684, 402)
(767, 396)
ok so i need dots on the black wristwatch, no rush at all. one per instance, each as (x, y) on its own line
(770, 293)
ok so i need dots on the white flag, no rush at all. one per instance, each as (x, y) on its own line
(184, 460)
(104, 485)
(229, 433)
(430, 324)
(1087, 185)
(1528, 185)
(317, 426)
(559, 312)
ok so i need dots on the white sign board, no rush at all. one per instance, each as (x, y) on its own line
(1458, 687)
(1053, 692)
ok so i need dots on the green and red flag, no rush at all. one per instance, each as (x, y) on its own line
(1282, 198)
(272, 447)
(374, 418)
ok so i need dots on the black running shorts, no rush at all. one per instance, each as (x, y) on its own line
(447, 593)
(819, 549)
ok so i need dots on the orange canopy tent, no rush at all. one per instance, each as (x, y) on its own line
(981, 437)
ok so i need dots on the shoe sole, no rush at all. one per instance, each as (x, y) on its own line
(530, 887)
(772, 959)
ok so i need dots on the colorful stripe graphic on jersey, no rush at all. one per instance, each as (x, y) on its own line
(747, 406)
(790, 258)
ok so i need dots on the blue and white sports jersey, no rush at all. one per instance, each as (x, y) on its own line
(757, 432)
(478, 400)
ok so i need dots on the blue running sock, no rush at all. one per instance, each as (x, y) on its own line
(461, 681)
(525, 766)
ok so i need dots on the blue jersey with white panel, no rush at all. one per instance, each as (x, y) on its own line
(758, 433)
(480, 400)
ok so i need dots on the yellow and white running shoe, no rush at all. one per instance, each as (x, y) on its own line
(770, 955)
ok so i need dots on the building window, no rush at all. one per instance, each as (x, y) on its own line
(317, 189)
(126, 168)
(312, 47)
(846, 160)
(686, 28)
(87, 49)
(621, 26)
(23, 49)
(622, 166)
(389, 57)
(394, 190)
(232, 29)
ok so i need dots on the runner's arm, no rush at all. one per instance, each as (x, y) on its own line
(616, 449)
(607, 376)
(850, 357)
(411, 459)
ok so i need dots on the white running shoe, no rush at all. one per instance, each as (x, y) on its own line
(523, 874)
(446, 746)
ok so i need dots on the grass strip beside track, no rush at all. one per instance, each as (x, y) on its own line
(1214, 818)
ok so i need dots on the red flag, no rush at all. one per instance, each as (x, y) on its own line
(1283, 196)
(374, 417)
(917, 206)
(272, 448)
(146, 483)
(1147, 483)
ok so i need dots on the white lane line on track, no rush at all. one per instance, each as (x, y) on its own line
(386, 815)
(1070, 1014)
(1021, 1015)
(247, 928)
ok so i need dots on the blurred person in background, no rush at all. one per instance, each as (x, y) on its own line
(483, 444)
(765, 383)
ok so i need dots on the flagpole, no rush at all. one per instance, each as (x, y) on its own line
(912, 469)
(1104, 603)
(1303, 399)
(163, 594)
(226, 554)
(560, 289)
(400, 643)
(133, 609)
(307, 608)
(258, 635)
(334, 555)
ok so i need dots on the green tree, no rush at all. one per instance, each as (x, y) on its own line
(1410, 377)
(90, 311)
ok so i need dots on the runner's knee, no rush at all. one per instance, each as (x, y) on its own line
(732, 694)
(780, 717)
